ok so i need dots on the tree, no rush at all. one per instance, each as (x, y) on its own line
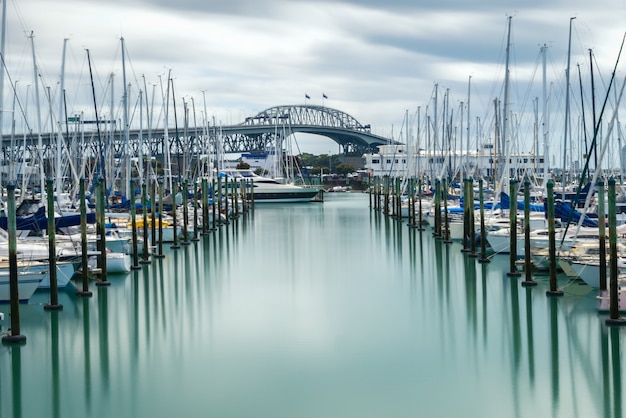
(242, 166)
(343, 168)
(307, 159)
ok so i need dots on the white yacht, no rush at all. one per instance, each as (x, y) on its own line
(268, 190)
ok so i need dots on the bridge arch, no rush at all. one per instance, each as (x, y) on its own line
(309, 115)
(313, 119)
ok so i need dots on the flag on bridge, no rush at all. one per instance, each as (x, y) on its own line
(306, 96)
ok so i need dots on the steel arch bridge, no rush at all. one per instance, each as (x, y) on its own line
(92, 140)
(260, 131)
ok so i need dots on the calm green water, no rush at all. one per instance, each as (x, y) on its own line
(316, 311)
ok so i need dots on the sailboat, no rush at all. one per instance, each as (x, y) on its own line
(29, 276)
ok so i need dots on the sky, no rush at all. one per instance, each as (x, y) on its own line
(378, 61)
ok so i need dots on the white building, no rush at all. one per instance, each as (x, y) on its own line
(403, 160)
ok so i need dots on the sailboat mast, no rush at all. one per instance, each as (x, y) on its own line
(39, 137)
(3, 30)
(546, 121)
(207, 147)
(142, 175)
(460, 145)
(535, 135)
(566, 128)
(505, 110)
(95, 105)
(435, 127)
(59, 175)
(593, 108)
(126, 127)
(165, 145)
(467, 148)
(418, 142)
(582, 107)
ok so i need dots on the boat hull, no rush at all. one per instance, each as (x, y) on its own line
(65, 271)
(28, 281)
(284, 196)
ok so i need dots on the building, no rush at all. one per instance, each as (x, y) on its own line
(403, 160)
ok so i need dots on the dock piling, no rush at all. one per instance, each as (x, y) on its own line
(614, 315)
(54, 304)
(83, 242)
(15, 336)
(554, 291)
(513, 228)
(528, 278)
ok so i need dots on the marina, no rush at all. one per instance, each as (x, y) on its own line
(316, 310)
(160, 261)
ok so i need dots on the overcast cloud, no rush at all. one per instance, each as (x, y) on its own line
(374, 60)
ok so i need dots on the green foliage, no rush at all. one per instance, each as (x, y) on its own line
(242, 166)
(342, 168)
(308, 160)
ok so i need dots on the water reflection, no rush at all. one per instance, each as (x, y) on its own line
(16, 382)
(399, 227)
(483, 270)
(616, 371)
(606, 371)
(103, 335)
(530, 339)
(161, 306)
(87, 351)
(516, 332)
(412, 262)
(608, 386)
(217, 327)
(149, 297)
(471, 302)
(516, 344)
(553, 303)
(55, 384)
(178, 280)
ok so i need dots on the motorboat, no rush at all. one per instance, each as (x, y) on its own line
(268, 190)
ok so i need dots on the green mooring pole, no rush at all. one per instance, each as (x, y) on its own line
(54, 304)
(602, 234)
(420, 224)
(528, 278)
(153, 214)
(483, 232)
(133, 221)
(14, 337)
(197, 195)
(184, 194)
(101, 233)
(554, 291)
(472, 221)
(175, 245)
(205, 207)
(513, 228)
(446, 229)
(83, 242)
(437, 231)
(145, 253)
(159, 253)
(614, 316)
(214, 204)
(466, 206)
